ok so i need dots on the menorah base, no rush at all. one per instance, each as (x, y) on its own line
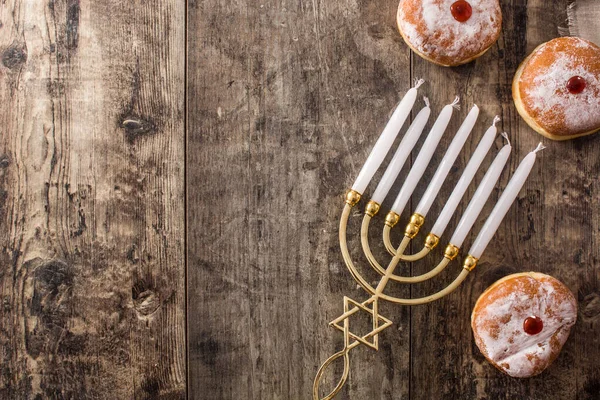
(352, 340)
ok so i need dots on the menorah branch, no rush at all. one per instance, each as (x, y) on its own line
(431, 241)
(451, 252)
(402, 279)
(346, 254)
(364, 236)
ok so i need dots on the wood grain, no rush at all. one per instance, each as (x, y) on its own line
(551, 228)
(284, 101)
(92, 211)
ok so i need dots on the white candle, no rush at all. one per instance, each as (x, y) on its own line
(386, 139)
(451, 154)
(406, 145)
(425, 154)
(508, 197)
(480, 197)
(465, 180)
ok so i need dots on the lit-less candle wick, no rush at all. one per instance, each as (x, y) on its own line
(386, 139)
(508, 197)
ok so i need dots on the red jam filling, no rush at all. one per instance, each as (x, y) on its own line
(461, 10)
(533, 325)
(576, 85)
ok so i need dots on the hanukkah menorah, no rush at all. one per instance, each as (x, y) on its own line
(417, 219)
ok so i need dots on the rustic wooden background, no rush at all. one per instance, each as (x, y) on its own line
(171, 177)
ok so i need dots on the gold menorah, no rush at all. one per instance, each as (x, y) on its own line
(417, 220)
(352, 340)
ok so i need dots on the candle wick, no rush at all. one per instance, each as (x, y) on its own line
(419, 82)
(455, 103)
(505, 136)
(496, 120)
(426, 100)
(539, 147)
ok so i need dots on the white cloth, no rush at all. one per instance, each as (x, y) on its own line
(583, 20)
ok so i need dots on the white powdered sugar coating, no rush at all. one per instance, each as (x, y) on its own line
(500, 327)
(443, 35)
(549, 97)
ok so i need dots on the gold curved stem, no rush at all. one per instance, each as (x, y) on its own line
(340, 384)
(423, 300)
(346, 255)
(386, 240)
(423, 277)
(364, 240)
(405, 257)
(428, 299)
(417, 256)
(342, 353)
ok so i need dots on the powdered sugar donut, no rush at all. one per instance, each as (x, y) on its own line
(449, 32)
(557, 88)
(521, 322)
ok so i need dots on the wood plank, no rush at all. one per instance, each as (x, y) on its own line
(440, 333)
(92, 210)
(285, 101)
(552, 228)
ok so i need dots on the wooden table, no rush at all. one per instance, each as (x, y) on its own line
(170, 231)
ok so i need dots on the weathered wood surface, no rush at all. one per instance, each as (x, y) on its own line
(553, 227)
(92, 211)
(282, 100)
(285, 100)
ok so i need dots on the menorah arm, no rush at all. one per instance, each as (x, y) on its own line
(423, 277)
(352, 198)
(387, 240)
(364, 238)
(428, 299)
(468, 266)
(412, 229)
(431, 241)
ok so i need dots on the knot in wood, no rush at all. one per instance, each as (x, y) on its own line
(146, 303)
(135, 127)
(14, 56)
(4, 161)
(53, 276)
(590, 306)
